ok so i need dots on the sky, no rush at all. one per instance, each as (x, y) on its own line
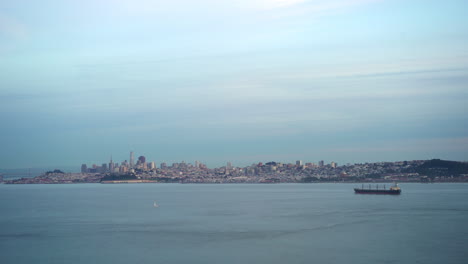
(243, 81)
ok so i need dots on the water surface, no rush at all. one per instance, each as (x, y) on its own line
(232, 223)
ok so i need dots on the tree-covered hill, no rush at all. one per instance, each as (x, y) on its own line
(438, 167)
(119, 177)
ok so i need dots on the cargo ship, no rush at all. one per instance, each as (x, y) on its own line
(395, 190)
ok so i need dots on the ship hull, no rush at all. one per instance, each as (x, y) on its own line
(368, 191)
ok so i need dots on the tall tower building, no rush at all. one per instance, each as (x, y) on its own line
(111, 165)
(298, 162)
(321, 163)
(132, 160)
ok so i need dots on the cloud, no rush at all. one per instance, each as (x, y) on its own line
(313, 5)
(270, 4)
(431, 66)
(278, 9)
(12, 27)
(410, 145)
(226, 8)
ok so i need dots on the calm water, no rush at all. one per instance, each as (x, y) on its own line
(278, 223)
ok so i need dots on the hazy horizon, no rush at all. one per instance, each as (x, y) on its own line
(349, 81)
(77, 168)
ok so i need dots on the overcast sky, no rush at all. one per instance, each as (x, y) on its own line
(232, 80)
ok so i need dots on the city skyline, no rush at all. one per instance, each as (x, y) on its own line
(153, 164)
(233, 80)
(144, 171)
(119, 159)
(125, 166)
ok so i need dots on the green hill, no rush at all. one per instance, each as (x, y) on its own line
(119, 177)
(437, 167)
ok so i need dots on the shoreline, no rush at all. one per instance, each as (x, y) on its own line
(218, 183)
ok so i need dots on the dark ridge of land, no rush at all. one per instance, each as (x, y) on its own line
(445, 168)
(119, 177)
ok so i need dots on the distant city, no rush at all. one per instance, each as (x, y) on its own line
(143, 171)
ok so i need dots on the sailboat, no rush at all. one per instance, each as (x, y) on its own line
(155, 204)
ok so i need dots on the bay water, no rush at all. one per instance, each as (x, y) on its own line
(232, 223)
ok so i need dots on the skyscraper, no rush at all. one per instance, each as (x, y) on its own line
(104, 167)
(84, 168)
(132, 160)
(111, 165)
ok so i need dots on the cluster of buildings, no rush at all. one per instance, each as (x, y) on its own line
(270, 172)
(123, 167)
(141, 166)
(141, 170)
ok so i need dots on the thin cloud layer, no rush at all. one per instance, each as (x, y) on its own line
(12, 28)
(312, 5)
(273, 79)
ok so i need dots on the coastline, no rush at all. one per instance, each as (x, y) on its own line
(128, 181)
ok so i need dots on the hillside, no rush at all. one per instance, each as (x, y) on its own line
(437, 167)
